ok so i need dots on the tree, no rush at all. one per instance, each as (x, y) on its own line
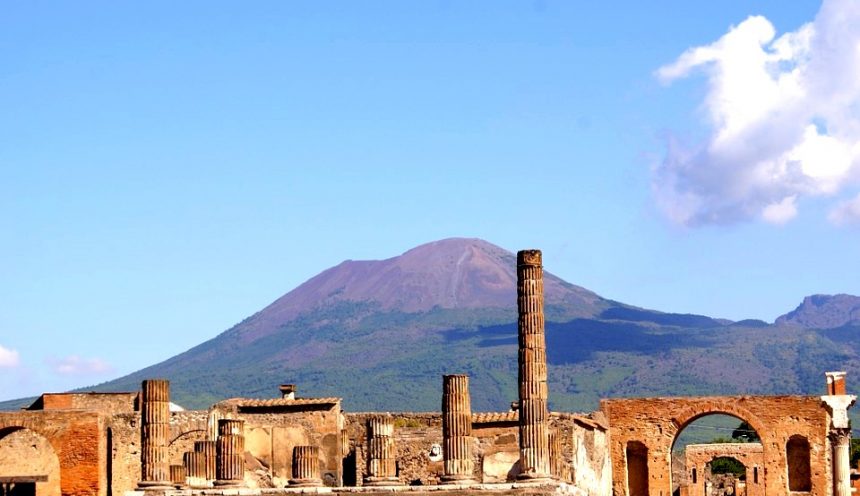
(745, 433)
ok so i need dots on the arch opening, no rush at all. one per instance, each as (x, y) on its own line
(27, 455)
(637, 468)
(712, 454)
(799, 470)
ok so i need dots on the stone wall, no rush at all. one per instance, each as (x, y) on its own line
(698, 456)
(78, 441)
(418, 439)
(656, 422)
(26, 453)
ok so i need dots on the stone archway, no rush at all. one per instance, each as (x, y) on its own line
(656, 422)
(26, 453)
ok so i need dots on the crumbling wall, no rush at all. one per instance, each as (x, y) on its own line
(77, 438)
(591, 463)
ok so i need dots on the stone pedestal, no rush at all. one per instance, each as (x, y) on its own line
(381, 463)
(534, 416)
(178, 476)
(208, 452)
(230, 453)
(306, 467)
(457, 430)
(154, 435)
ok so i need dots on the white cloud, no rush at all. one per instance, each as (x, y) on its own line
(76, 365)
(784, 115)
(9, 358)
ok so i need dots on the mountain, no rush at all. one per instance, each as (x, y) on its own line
(824, 312)
(381, 333)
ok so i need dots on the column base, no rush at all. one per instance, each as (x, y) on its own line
(535, 477)
(305, 483)
(155, 485)
(381, 481)
(229, 483)
(457, 479)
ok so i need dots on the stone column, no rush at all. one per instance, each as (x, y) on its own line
(534, 416)
(195, 468)
(556, 463)
(209, 452)
(457, 430)
(177, 476)
(841, 440)
(381, 463)
(230, 453)
(154, 434)
(306, 467)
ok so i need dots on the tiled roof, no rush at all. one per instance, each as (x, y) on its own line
(489, 417)
(276, 402)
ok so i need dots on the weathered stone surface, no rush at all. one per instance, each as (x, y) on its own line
(698, 456)
(154, 434)
(306, 467)
(533, 418)
(381, 455)
(457, 430)
(230, 453)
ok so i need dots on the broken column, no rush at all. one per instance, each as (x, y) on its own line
(208, 451)
(230, 453)
(306, 467)
(457, 430)
(534, 416)
(154, 434)
(178, 476)
(195, 468)
(381, 463)
(556, 464)
(838, 403)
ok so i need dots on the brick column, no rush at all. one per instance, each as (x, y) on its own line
(208, 451)
(230, 453)
(534, 416)
(457, 430)
(306, 467)
(154, 434)
(178, 476)
(381, 463)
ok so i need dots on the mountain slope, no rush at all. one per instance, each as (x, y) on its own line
(381, 333)
(824, 312)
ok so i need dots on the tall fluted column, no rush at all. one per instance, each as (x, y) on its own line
(306, 466)
(457, 430)
(841, 440)
(534, 416)
(230, 453)
(195, 468)
(209, 452)
(154, 434)
(381, 462)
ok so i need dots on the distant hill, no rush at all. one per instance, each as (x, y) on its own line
(381, 333)
(824, 312)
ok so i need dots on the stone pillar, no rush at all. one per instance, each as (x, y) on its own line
(381, 463)
(457, 430)
(208, 451)
(534, 416)
(177, 476)
(841, 440)
(554, 453)
(154, 434)
(306, 467)
(195, 468)
(230, 453)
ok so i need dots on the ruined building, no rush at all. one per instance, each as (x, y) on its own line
(109, 444)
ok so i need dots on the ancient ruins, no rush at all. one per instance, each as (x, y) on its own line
(138, 443)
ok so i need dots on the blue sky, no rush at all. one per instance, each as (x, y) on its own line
(167, 169)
